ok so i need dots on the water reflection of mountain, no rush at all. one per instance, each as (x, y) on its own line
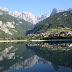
(30, 62)
(57, 53)
(11, 53)
(20, 57)
(37, 64)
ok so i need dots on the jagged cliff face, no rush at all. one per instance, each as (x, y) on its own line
(5, 27)
(4, 9)
(58, 20)
(55, 10)
(27, 16)
(16, 24)
(11, 26)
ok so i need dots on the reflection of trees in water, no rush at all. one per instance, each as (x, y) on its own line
(20, 51)
(62, 58)
(54, 45)
(23, 51)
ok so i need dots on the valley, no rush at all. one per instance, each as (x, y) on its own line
(35, 36)
(56, 26)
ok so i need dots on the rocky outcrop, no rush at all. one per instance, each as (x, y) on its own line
(55, 10)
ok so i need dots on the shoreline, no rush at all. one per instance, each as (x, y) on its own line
(2, 41)
(54, 40)
(12, 41)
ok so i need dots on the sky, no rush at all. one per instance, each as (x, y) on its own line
(36, 7)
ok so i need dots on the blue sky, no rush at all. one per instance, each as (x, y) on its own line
(36, 7)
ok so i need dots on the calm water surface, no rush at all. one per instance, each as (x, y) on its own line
(36, 57)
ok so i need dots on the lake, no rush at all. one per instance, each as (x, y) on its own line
(36, 57)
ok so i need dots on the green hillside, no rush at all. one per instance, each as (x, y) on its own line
(63, 19)
(21, 26)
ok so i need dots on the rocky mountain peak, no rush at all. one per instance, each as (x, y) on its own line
(40, 18)
(55, 10)
(4, 9)
(69, 9)
(29, 17)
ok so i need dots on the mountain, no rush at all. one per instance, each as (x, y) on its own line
(30, 62)
(27, 16)
(11, 26)
(55, 10)
(69, 9)
(41, 18)
(4, 9)
(62, 19)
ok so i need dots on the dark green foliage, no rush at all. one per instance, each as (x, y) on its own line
(20, 51)
(57, 57)
(21, 28)
(63, 19)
